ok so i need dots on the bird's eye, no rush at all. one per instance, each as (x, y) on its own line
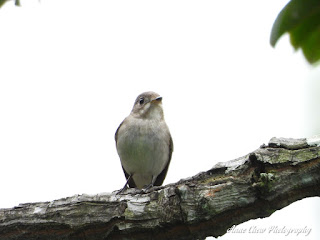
(141, 100)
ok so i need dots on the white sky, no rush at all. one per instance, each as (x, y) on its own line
(71, 70)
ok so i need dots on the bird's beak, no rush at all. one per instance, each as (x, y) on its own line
(157, 100)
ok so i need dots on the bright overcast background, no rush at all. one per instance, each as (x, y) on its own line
(71, 70)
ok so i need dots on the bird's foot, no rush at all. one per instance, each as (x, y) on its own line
(127, 190)
(148, 187)
(122, 190)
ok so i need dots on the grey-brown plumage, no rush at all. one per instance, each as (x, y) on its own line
(144, 143)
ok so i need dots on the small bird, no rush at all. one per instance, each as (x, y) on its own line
(144, 143)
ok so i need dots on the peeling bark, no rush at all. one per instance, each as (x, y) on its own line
(207, 204)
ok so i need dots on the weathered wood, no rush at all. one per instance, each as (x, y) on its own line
(253, 186)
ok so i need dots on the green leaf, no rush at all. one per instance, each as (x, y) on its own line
(301, 19)
(2, 2)
(16, 2)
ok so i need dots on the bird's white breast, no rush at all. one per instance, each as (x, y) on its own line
(143, 147)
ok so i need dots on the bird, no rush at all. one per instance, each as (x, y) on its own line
(144, 143)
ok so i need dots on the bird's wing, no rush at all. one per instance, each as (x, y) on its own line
(116, 134)
(162, 175)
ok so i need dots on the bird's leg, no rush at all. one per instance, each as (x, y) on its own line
(149, 186)
(125, 187)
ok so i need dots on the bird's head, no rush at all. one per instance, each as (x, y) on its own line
(148, 105)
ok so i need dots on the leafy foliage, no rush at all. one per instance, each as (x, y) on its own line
(16, 2)
(2, 2)
(301, 19)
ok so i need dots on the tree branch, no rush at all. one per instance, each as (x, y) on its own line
(253, 186)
